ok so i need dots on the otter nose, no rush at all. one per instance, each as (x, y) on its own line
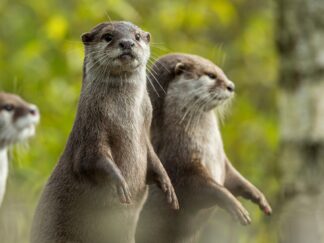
(33, 110)
(230, 87)
(126, 44)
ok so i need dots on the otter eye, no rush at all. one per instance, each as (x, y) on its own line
(108, 37)
(137, 37)
(8, 108)
(211, 75)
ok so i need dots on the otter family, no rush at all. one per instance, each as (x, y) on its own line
(144, 161)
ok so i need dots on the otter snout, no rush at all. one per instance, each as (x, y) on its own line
(26, 117)
(222, 85)
(126, 44)
(27, 110)
(230, 86)
(33, 111)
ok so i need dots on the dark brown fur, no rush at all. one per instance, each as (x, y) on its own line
(182, 154)
(98, 187)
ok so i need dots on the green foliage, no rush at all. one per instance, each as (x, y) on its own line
(41, 60)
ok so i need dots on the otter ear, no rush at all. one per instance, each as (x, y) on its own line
(179, 68)
(87, 38)
(148, 37)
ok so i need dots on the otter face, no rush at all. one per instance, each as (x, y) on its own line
(116, 47)
(199, 84)
(17, 119)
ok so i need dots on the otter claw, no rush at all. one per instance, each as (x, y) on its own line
(264, 205)
(244, 218)
(267, 210)
(172, 199)
(124, 194)
(240, 214)
(123, 190)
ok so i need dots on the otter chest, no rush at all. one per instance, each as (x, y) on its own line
(3, 172)
(127, 133)
(213, 153)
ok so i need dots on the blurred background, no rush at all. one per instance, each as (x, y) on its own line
(273, 133)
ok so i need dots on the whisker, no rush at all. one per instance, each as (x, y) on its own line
(153, 86)
(197, 117)
(162, 65)
(161, 48)
(101, 58)
(157, 81)
(107, 15)
(199, 106)
(191, 104)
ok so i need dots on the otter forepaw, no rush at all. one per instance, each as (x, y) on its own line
(168, 189)
(123, 190)
(239, 213)
(263, 204)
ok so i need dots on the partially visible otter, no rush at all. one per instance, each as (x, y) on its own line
(18, 120)
(187, 139)
(98, 187)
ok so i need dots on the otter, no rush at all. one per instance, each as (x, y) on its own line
(18, 120)
(99, 185)
(187, 139)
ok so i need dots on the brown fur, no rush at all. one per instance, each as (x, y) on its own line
(182, 151)
(98, 187)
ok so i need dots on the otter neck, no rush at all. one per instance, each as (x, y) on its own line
(96, 75)
(3, 171)
(191, 121)
(131, 86)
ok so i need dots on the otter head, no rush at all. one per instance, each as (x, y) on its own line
(17, 119)
(200, 83)
(188, 86)
(113, 48)
(192, 81)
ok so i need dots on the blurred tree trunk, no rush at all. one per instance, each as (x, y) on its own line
(300, 42)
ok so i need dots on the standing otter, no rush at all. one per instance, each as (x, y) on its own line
(186, 137)
(98, 187)
(17, 123)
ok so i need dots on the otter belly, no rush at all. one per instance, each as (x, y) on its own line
(160, 224)
(74, 211)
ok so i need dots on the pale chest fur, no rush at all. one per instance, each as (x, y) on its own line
(3, 172)
(125, 115)
(213, 156)
(128, 131)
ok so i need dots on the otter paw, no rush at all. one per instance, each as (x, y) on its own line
(240, 213)
(264, 205)
(123, 191)
(168, 189)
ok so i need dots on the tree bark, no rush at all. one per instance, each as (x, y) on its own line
(300, 42)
